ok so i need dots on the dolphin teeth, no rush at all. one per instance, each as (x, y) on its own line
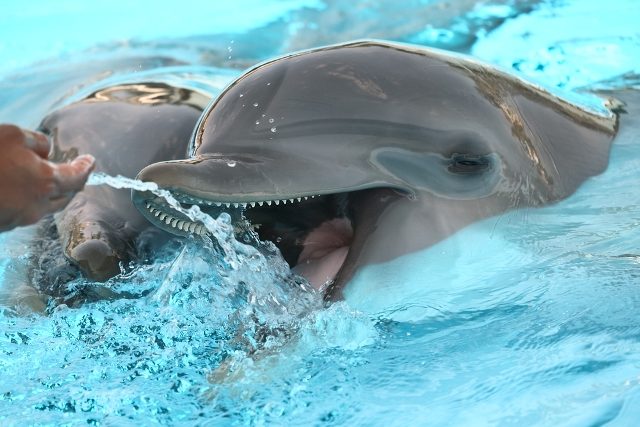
(198, 229)
(167, 220)
(306, 197)
(235, 205)
(162, 216)
(252, 204)
(228, 205)
(216, 203)
(277, 202)
(192, 227)
(174, 222)
(260, 203)
(290, 200)
(269, 202)
(180, 224)
(299, 199)
(148, 205)
(157, 213)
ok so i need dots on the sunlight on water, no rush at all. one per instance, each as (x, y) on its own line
(529, 318)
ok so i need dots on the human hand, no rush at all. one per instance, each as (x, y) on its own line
(30, 185)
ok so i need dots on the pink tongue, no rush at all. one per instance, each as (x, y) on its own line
(325, 250)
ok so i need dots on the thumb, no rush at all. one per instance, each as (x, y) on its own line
(71, 177)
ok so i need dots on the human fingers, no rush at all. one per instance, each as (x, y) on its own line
(11, 134)
(71, 177)
(37, 142)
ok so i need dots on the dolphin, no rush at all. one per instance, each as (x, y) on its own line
(126, 127)
(358, 153)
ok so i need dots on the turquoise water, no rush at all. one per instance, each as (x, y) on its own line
(526, 319)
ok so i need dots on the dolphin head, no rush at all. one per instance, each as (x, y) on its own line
(365, 151)
(126, 127)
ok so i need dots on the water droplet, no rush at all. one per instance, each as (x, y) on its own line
(274, 129)
(231, 163)
(271, 120)
(225, 218)
(255, 104)
(241, 95)
(269, 84)
(257, 122)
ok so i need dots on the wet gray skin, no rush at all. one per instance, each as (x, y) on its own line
(407, 144)
(126, 128)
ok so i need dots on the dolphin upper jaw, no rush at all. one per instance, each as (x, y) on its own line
(236, 181)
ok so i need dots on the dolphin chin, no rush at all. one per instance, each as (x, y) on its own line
(356, 154)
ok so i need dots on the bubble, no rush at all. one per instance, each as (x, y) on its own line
(271, 120)
(257, 122)
(274, 129)
(224, 218)
(241, 95)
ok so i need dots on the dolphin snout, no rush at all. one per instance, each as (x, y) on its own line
(97, 259)
(90, 246)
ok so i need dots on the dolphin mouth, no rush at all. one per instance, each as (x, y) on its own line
(313, 232)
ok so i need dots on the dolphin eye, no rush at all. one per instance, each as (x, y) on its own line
(469, 164)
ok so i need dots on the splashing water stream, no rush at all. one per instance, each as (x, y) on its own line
(198, 322)
(240, 263)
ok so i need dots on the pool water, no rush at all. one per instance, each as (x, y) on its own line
(529, 318)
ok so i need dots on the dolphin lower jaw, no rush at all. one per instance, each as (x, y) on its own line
(164, 217)
(159, 213)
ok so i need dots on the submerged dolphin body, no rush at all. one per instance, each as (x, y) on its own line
(359, 153)
(126, 127)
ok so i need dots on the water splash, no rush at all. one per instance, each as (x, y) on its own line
(242, 263)
(203, 319)
(220, 230)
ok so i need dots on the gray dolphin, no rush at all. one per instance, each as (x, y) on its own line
(358, 153)
(126, 127)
